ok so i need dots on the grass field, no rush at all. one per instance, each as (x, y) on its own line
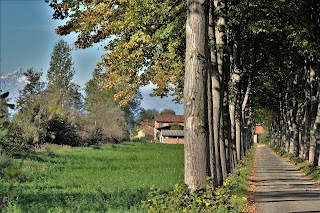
(111, 178)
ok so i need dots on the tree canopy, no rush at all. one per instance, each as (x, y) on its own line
(143, 41)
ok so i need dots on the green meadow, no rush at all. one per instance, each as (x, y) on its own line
(109, 178)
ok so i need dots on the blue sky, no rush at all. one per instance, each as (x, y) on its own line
(27, 39)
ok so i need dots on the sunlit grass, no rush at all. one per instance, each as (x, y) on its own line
(111, 178)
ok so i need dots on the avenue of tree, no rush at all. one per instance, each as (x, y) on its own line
(235, 63)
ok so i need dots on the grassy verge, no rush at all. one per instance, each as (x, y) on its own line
(301, 164)
(110, 178)
(231, 197)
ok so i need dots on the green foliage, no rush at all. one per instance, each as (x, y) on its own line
(61, 70)
(264, 116)
(50, 114)
(264, 137)
(167, 112)
(132, 110)
(231, 197)
(113, 178)
(145, 41)
(64, 132)
(148, 114)
(104, 118)
(176, 127)
(12, 207)
(3, 133)
(4, 105)
(13, 142)
(5, 162)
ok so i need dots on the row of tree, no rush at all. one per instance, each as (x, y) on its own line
(245, 61)
(148, 45)
(267, 48)
(296, 95)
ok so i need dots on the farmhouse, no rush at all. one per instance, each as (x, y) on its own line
(169, 128)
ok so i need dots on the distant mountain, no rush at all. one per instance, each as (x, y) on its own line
(12, 83)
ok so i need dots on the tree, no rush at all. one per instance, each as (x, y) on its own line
(61, 70)
(146, 41)
(148, 114)
(105, 119)
(132, 110)
(5, 127)
(195, 97)
(32, 106)
(167, 112)
(63, 94)
(60, 76)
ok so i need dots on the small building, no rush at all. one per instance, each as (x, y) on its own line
(169, 128)
(172, 136)
(145, 129)
(257, 131)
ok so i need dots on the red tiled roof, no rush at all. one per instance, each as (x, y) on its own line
(259, 129)
(169, 118)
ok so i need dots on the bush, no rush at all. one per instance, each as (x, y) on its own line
(64, 131)
(13, 142)
(5, 162)
(231, 197)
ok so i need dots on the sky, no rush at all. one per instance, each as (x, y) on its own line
(27, 38)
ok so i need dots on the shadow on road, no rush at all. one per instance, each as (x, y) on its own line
(281, 188)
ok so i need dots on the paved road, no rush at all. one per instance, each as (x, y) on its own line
(280, 188)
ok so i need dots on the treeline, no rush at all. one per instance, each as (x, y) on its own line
(268, 50)
(287, 84)
(56, 111)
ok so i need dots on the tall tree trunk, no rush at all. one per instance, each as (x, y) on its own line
(243, 112)
(313, 112)
(234, 104)
(195, 94)
(314, 147)
(294, 146)
(239, 145)
(217, 85)
(211, 164)
(226, 161)
(304, 151)
(215, 99)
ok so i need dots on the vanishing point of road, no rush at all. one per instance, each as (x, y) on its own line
(281, 188)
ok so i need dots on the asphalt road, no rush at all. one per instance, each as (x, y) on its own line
(280, 188)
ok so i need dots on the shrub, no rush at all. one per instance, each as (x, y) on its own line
(231, 197)
(65, 132)
(5, 162)
(13, 142)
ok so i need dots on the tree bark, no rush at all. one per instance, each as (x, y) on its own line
(313, 112)
(304, 151)
(195, 94)
(215, 99)
(218, 88)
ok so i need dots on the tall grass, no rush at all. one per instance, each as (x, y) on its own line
(110, 178)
